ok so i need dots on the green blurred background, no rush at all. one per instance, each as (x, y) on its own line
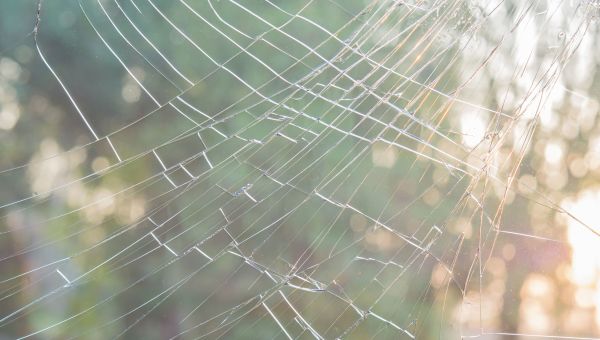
(348, 169)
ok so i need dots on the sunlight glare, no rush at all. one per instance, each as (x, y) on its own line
(585, 258)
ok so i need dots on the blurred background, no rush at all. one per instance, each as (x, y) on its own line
(299, 169)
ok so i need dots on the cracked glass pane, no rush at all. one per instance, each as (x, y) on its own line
(329, 169)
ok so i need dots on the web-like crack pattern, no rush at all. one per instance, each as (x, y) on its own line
(295, 169)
